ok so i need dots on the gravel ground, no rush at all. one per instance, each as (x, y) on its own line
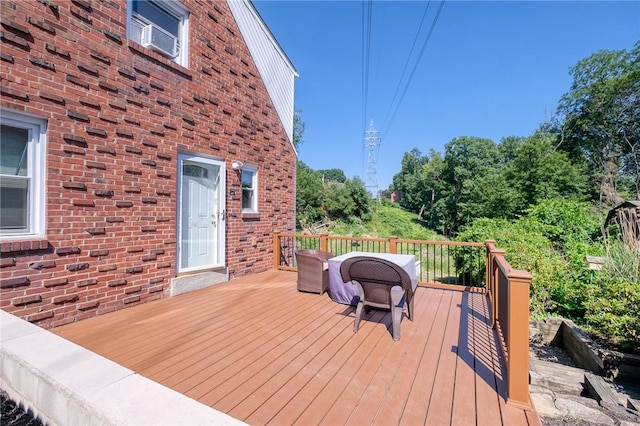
(550, 353)
(617, 414)
(12, 414)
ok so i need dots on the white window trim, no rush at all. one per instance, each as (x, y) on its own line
(254, 184)
(179, 11)
(36, 164)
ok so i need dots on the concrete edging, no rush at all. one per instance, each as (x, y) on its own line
(65, 384)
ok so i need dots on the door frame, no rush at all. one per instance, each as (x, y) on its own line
(221, 228)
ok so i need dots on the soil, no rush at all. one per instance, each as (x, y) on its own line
(551, 354)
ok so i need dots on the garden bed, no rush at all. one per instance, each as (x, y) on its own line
(584, 351)
(575, 380)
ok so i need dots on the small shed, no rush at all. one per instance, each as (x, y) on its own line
(625, 217)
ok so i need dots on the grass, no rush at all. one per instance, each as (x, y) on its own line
(437, 263)
(386, 220)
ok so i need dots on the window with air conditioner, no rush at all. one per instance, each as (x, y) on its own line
(22, 180)
(160, 25)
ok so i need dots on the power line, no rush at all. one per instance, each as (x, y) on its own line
(415, 67)
(366, 56)
(406, 63)
(372, 140)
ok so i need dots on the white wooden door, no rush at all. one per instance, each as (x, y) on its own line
(201, 215)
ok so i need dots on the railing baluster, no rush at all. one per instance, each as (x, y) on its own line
(436, 261)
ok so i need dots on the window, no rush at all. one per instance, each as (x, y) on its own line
(161, 25)
(22, 165)
(249, 189)
(195, 171)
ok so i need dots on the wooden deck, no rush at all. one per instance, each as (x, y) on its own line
(264, 353)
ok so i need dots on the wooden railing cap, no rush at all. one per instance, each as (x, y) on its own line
(519, 274)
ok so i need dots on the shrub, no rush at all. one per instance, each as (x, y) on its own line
(613, 299)
(527, 248)
(566, 222)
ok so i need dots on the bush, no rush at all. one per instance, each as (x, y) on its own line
(613, 299)
(347, 201)
(566, 222)
(527, 248)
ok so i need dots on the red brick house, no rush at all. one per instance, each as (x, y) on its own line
(146, 150)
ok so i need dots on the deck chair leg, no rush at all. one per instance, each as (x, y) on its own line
(356, 323)
(360, 308)
(410, 308)
(397, 305)
(414, 285)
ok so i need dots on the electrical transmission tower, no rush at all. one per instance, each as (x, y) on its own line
(371, 143)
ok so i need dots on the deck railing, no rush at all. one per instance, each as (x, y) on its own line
(455, 265)
(444, 262)
(508, 291)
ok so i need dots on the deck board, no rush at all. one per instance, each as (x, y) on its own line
(393, 406)
(419, 400)
(440, 405)
(464, 393)
(396, 369)
(263, 352)
(487, 397)
(348, 360)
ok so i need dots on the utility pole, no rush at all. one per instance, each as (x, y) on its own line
(371, 143)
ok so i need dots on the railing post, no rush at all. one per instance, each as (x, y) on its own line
(518, 339)
(488, 244)
(393, 244)
(324, 238)
(276, 250)
(496, 287)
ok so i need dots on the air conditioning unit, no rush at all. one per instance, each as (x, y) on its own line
(159, 40)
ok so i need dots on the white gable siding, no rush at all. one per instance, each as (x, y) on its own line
(275, 69)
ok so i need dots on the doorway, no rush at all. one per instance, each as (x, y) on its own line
(201, 213)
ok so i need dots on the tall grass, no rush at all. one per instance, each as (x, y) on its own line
(387, 220)
(623, 249)
(613, 300)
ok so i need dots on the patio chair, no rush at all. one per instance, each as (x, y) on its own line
(381, 284)
(313, 271)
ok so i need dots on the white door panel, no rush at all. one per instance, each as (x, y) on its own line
(201, 233)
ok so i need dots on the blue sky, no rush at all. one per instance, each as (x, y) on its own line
(490, 69)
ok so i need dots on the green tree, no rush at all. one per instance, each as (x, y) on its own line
(347, 201)
(467, 161)
(431, 188)
(360, 197)
(333, 175)
(298, 129)
(601, 120)
(508, 147)
(309, 195)
(539, 172)
(568, 222)
(407, 181)
(493, 196)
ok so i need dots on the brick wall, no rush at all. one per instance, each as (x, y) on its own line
(118, 115)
